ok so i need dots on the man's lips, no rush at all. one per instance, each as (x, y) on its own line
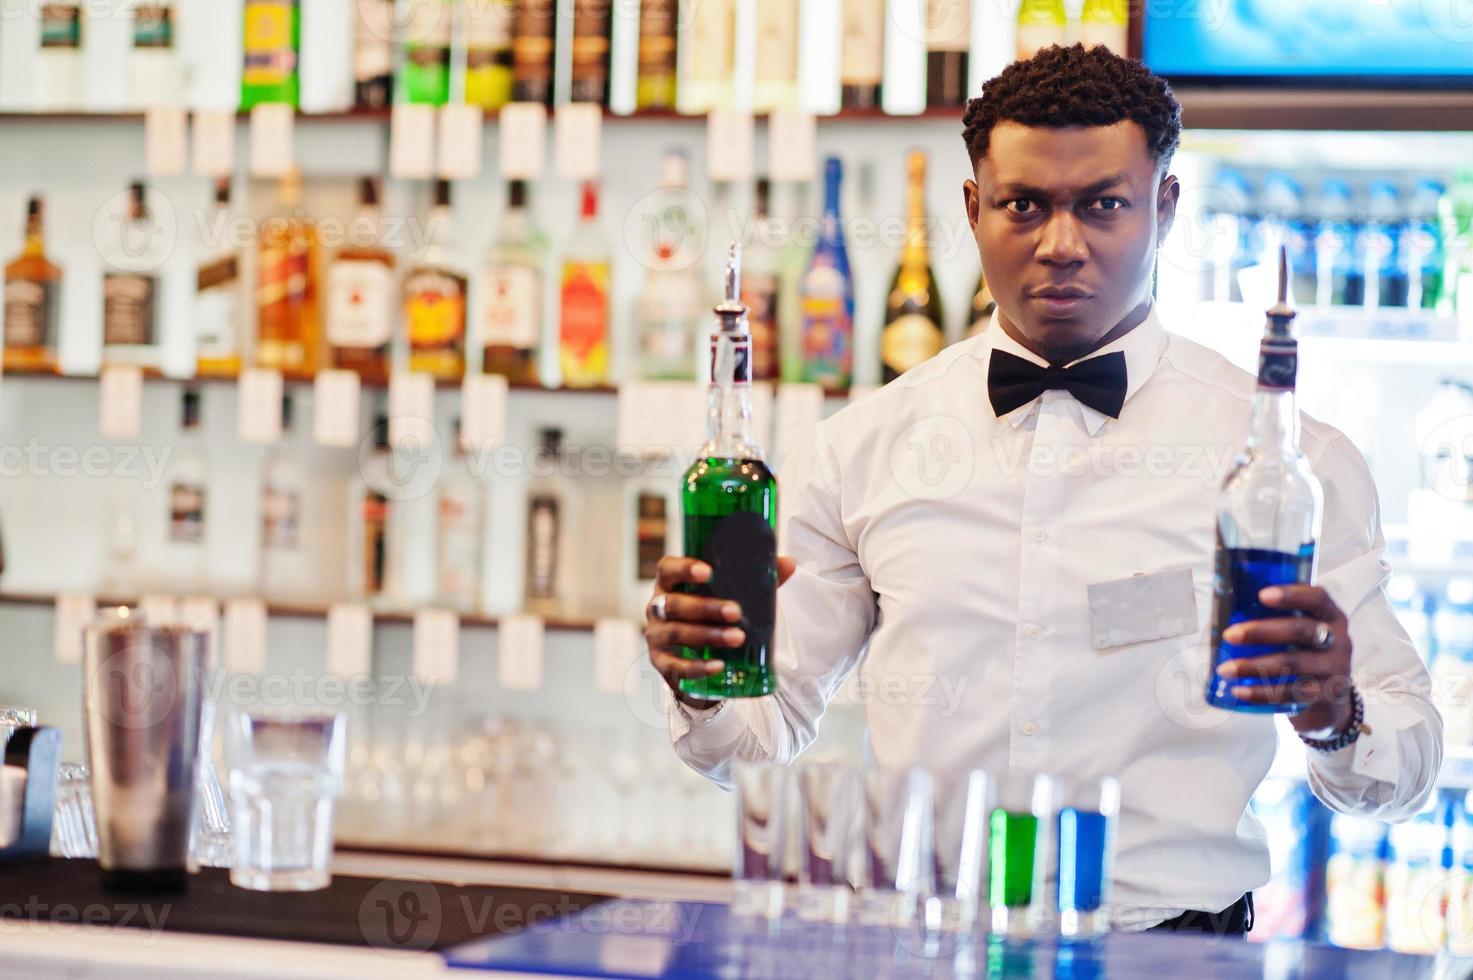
(1060, 301)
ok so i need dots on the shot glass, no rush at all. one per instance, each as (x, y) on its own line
(962, 805)
(899, 872)
(1017, 842)
(285, 773)
(828, 812)
(74, 829)
(1085, 831)
(757, 867)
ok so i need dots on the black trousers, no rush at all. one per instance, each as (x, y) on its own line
(1235, 920)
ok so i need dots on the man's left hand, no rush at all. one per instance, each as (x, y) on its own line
(1320, 678)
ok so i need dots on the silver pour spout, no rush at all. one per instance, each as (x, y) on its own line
(1281, 314)
(730, 312)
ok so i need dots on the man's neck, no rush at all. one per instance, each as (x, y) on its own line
(1058, 357)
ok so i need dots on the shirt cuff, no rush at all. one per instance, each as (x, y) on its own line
(685, 719)
(1372, 756)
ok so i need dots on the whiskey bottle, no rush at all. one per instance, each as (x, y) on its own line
(531, 51)
(729, 511)
(360, 295)
(1269, 509)
(948, 39)
(286, 286)
(425, 75)
(32, 291)
(130, 285)
(547, 504)
(914, 327)
(434, 297)
(373, 54)
(219, 300)
(511, 305)
(590, 51)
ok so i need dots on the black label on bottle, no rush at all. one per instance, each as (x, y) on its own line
(127, 308)
(28, 310)
(742, 553)
(1278, 365)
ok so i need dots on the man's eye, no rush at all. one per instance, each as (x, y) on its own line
(1020, 205)
(1107, 204)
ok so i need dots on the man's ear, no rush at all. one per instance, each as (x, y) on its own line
(972, 195)
(1167, 197)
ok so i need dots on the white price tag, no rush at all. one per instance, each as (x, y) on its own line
(411, 410)
(273, 151)
(656, 418)
(792, 145)
(74, 613)
(523, 140)
(618, 645)
(349, 640)
(482, 412)
(202, 614)
(159, 610)
(120, 401)
(462, 134)
(519, 653)
(799, 409)
(258, 405)
(213, 142)
(729, 140)
(412, 141)
(436, 646)
(577, 139)
(245, 636)
(335, 408)
(165, 141)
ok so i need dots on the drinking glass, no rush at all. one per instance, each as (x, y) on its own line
(828, 807)
(12, 718)
(286, 769)
(962, 804)
(74, 829)
(898, 844)
(757, 871)
(1085, 830)
(212, 845)
(1017, 829)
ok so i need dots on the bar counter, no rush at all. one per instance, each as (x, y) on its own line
(410, 914)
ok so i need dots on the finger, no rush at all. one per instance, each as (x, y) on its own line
(1299, 631)
(1300, 663)
(1311, 599)
(676, 570)
(697, 609)
(665, 636)
(1298, 691)
(674, 668)
(785, 568)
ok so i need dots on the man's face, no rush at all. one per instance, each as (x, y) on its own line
(1067, 222)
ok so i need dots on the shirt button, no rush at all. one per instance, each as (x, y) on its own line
(1034, 632)
(1028, 728)
(1039, 534)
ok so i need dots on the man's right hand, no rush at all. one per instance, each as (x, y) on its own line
(693, 621)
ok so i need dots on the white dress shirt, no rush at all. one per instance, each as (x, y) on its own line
(947, 552)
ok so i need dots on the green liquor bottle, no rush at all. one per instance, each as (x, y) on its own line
(729, 504)
(425, 75)
(273, 38)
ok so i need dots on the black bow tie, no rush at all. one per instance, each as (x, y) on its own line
(1098, 382)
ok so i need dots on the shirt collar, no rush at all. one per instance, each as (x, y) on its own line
(1142, 347)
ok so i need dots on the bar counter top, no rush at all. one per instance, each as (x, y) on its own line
(414, 910)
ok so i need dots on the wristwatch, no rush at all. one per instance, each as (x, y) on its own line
(1332, 742)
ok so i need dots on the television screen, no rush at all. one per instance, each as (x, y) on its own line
(1372, 39)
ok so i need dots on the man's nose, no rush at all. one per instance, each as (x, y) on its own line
(1062, 241)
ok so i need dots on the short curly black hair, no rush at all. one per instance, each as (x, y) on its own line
(1076, 86)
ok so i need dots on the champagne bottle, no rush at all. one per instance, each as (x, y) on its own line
(729, 509)
(914, 327)
(1268, 514)
(983, 306)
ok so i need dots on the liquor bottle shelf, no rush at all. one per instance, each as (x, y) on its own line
(314, 610)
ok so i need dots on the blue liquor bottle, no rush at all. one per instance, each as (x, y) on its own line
(827, 297)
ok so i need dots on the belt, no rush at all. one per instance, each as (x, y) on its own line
(1235, 920)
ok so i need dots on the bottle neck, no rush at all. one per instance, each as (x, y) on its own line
(729, 401)
(916, 254)
(831, 208)
(1274, 428)
(35, 246)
